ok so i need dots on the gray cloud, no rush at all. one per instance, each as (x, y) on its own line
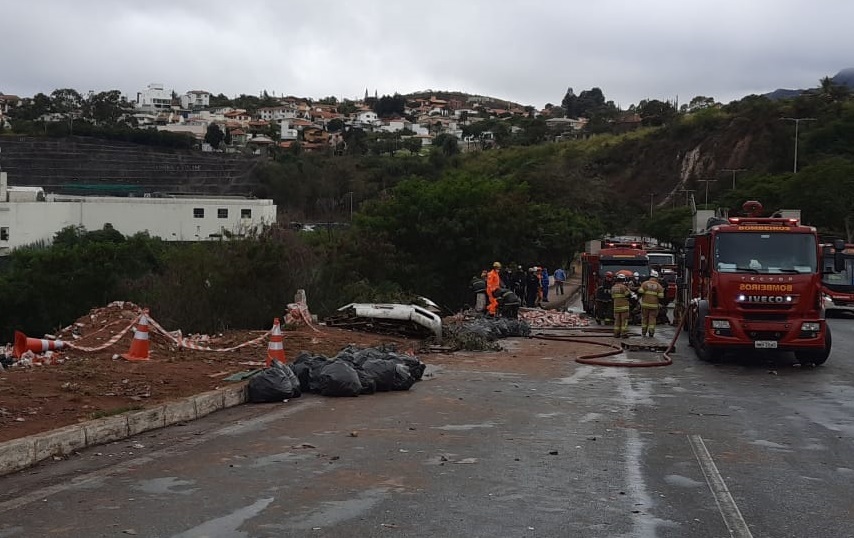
(528, 52)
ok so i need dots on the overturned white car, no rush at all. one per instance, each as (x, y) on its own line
(407, 320)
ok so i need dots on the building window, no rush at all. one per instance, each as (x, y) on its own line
(245, 213)
(222, 213)
(4, 233)
(198, 212)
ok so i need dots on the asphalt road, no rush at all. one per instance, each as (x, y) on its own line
(750, 447)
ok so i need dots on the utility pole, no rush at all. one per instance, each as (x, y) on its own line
(734, 172)
(797, 123)
(687, 194)
(651, 196)
(707, 181)
(351, 205)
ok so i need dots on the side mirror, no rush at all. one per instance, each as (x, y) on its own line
(838, 259)
(688, 258)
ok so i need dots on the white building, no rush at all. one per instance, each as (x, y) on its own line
(196, 99)
(27, 215)
(154, 98)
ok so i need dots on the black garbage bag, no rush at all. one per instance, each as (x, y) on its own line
(307, 369)
(403, 379)
(382, 372)
(339, 378)
(415, 366)
(369, 386)
(274, 384)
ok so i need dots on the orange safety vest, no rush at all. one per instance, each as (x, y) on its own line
(651, 292)
(620, 295)
(493, 282)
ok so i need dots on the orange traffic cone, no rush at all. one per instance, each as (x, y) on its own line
(275, 349)
(36, 345)
(139, 347)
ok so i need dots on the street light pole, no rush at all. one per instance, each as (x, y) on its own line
(734, 172)
(797, 123)
(707, 181)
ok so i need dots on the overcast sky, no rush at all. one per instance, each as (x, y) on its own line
(524, 51)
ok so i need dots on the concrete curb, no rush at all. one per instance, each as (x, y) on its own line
(25, 452)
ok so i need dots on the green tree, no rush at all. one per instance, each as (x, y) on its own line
(825, 194)
(388, 106)
(447, 144)
(106, 108)
(214, 135)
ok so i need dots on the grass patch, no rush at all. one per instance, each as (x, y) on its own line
(115, 411)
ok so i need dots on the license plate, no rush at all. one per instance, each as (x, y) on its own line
(765, 344)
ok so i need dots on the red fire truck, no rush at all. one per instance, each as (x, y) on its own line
(603, 257)
(755, 283)
(838, 286)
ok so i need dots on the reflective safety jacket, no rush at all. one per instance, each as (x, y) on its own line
(493, 282)
(620, 294)
(651, 293)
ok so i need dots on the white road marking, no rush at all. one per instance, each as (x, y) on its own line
(726, 504)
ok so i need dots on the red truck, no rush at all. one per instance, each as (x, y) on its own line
(755, 283)
(603, 257)
(838, 286)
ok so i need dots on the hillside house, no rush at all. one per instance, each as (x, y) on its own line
(195, 99)
(154, 98)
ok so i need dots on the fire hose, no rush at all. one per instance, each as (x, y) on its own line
(597, 359)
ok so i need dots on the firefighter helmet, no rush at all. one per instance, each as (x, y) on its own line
(621, 277)
(653, 273)
(609, 274)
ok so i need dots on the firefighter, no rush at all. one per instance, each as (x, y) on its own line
(651, 295)
(604, 312)
(620, 293)
(493, 282)
(478, 287)
(508, 303)
(532, 284)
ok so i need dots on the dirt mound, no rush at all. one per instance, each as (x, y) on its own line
(73, 385)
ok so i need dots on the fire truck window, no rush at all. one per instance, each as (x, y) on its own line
(765, 253)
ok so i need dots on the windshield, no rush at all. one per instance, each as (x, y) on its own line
(661, 259)
(769, 253)
(634, 266)
(843, 278)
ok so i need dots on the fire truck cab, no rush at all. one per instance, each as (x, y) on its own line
(755, 283)
(838, 286)
(608, 256)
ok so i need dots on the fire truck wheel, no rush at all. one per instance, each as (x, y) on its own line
(816, 357)
(704, 352)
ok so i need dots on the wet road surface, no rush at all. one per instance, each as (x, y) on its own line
(485, 447)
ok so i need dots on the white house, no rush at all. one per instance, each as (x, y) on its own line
(396, 125)
(27, 215)
(277, 113)
(154, 98)
(196, 99)
(288, 131)
(367, 117)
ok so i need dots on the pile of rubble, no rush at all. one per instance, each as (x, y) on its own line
(480, 333)
(538, 318)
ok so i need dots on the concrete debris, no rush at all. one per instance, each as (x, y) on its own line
(552, 318)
